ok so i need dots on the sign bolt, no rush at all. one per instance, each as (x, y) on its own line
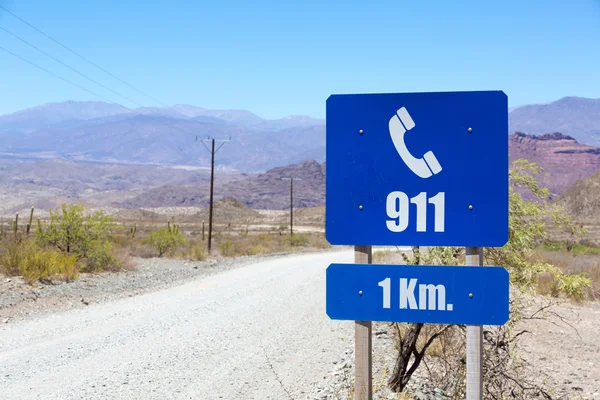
(360, 292)
(470, 130)
(470, 207)
(361, 132)
(360, 208)
(470, 295)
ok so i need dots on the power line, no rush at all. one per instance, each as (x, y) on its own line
(90, 91)
(82, 57)
(87, 77)
(68, 66)
(55, 75)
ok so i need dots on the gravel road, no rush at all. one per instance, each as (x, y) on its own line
(255, 332)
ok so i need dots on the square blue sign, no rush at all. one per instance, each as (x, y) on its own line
(418, 169)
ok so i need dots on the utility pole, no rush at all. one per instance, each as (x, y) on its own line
(291, 179)
(212, 152)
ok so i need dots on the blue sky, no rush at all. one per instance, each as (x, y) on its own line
(278, 58)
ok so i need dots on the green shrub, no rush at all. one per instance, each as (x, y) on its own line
(164, 240)
(102, 257)
(73, 232)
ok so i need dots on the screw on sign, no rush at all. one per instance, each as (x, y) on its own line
(427, 169)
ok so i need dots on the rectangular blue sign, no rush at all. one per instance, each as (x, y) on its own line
(427, 294)
(420, 169)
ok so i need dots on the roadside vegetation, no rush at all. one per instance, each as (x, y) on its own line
(73, 240)
(536, 265)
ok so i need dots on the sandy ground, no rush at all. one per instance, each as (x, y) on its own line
(564, 350)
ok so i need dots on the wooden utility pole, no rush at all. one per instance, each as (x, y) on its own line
(212, 184)
(212, 152)
(363, 350)
(291, 179)
(474, 340)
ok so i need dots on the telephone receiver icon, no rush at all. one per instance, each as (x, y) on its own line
(423, 167)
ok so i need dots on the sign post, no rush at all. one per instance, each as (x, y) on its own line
(417, 169)
(363, 350)
(475, 341)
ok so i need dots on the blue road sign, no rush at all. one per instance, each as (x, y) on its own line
(427, 294)
(428, 169)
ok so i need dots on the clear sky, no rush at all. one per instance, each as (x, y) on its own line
(278, 58)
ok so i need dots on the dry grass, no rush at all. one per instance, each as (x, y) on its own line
(248, 245)
(388, 256)
(580, 262)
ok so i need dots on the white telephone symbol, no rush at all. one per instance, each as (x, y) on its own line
(422, 167)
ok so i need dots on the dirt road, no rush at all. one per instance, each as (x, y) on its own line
(233, 335)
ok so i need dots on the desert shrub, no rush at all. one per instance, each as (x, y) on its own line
(13, 257)
(101, 257)
(73, 232)
(255, 250)
(227, 248)
(298, 240)
(142, 250)
(165, 239)
(197, 252)
(24, 258)
(45, 264)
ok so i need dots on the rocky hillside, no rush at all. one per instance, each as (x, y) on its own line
(266, 191)
(574, 116)
(565, 161)
(582, 200)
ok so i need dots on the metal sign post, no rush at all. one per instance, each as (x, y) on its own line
(475, 340)
(363, 376)
(417, 169)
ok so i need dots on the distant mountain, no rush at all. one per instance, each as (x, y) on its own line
(239, 117)
(95, 131)
(52, 113)
(564, 159)
(574, 116)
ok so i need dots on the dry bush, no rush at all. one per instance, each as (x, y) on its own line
(387, 257)
(197, 252)
(46, 264)
(24, 258)
(13, 257)
(126, 261)
(141, 250)
(586, 264)
(242, 245)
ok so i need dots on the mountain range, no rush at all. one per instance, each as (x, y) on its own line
(49, 183)
(103, 132)
(110, 133)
